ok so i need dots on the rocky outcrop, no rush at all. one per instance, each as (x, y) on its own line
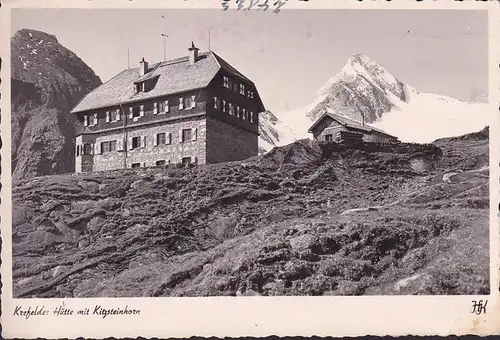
(270, 225)
(47, 81)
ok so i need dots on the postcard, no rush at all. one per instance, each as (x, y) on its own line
(249, 168)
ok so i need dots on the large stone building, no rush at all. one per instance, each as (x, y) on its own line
(331, 127)
(194, 109)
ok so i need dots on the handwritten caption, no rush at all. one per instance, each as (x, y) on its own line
(64, 310)
(479, 307)
(263, 5)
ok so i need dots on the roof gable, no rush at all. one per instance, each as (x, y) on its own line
(174, 76)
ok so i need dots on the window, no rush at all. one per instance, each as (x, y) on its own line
(136, 142)
(78, 150)
(163, 106)
(161, 138)
(223, 106)
(242, 89)
(136, 165)
(85, 120)
(193, 101)
(226, 81)
(186, 135)
(135, 112)
(87, 149)
(108, 146)
(188, 103)
(231, 109)
(108, 116)
(116, 115)
(95, 119)
(328, 138)
(181, 103)
(216, 103)
(235, 87)
(244, 114)
(251, 116)
(250, 94)
(186, 160)
(160, 163)
(238, 111)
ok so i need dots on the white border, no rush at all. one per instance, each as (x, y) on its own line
(257, 316)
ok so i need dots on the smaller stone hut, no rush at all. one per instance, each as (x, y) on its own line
(333, 127)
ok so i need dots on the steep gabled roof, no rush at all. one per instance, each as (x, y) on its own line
(349, 123)
(173, 76)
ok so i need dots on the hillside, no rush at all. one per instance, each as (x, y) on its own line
(47, 81)
(308, 218)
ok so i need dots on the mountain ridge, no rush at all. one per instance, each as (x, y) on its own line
(363, 89)
(47, 80)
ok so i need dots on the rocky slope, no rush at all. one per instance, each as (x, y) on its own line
(363, 89)
(304, 219)
(47, 81)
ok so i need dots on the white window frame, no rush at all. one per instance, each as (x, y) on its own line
(193, 101)
(85, 120)
(225, 81)
(181, 103)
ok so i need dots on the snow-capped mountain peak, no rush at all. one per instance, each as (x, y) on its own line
(365, 90)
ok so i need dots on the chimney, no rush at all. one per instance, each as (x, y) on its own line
(143, 67)
(193, 54)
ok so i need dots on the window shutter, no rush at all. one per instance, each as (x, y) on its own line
(193, 101)
(155, 108)
(118, 115)
(85, 120)
(181, 103)
(141, 112)
(95, 119)
(131, 112)
(143, 141)
(168, 138)
(180, 136)
(167, 108)
(131, 145)
(155, 140)
(108, 116)
(194, 134)
(98, 148)
(119, 145)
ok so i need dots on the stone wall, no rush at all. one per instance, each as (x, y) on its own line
(226, 142)
(148, 154)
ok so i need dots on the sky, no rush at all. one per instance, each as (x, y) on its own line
(288, 56)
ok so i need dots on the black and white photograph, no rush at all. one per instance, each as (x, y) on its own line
(248, 153)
